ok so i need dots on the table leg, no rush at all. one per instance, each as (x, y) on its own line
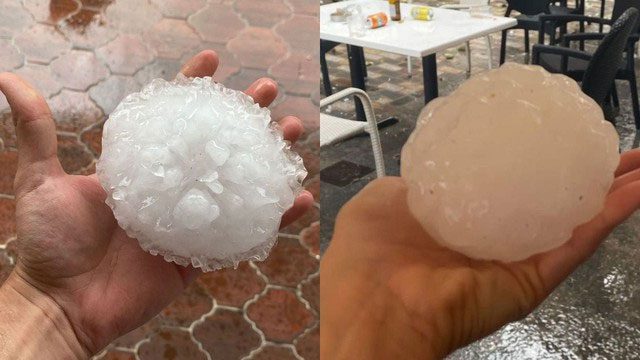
(356, 54)
(430, 77)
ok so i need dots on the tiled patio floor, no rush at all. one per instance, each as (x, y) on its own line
(85, 55)
(596, 313)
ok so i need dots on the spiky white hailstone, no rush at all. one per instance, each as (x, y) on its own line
(198, 173)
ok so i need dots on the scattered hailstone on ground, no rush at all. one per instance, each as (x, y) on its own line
(509, 164)
(198, 173)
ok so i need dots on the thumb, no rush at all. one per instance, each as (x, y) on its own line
(35, 132)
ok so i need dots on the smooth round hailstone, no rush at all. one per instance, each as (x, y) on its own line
(198, 173)
(509, 164)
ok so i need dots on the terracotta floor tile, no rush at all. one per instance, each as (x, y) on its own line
(179, 8)
(73, 156)
(118, 355)
(161, 68)
(188, 307)
(62, 9)
(311, 291)
(273, 352)
(39, 9)
(13, 19)
(280, 315)
(217, 23)
(226, 335)
(244, 78)
(40, 77)
(108, 93)
(93, 139)
(299, 73)
(10, 56)
(126, 54)
(88, 30)
(74, 111)
(11, 249)
(7, 219)
(233, 287)
(8, 165)
(42, 43)
(308, 149)
(78, 70)
(264, 13)
(303, 108)
(257, 47)
(304, 7)
(171, 38)
(288, 263)
(302, 33)
(133, 337)
(132, 16)
(171, 344)
(308, 345)
(311, 237)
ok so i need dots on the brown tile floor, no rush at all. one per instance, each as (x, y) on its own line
(85, 55)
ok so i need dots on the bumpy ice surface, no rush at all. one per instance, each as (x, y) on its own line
(197, 172)
(509, 164)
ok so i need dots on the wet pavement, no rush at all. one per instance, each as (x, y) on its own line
(595, 314)
(86, 55)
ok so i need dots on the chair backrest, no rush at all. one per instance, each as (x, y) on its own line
(620, 6)
(529, 7)
(607, 59)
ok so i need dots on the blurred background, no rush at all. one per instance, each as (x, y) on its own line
(84, 56)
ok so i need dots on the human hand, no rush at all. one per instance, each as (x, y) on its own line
(389, 291)
(71, 249)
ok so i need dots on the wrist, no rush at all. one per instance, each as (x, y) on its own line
(32, 324)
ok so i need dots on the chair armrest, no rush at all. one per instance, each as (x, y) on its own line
(572, 18)
(568, 38)
(557, 50)
(559, 20)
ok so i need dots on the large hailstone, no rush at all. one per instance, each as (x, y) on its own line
(197, 172)
(509, 164)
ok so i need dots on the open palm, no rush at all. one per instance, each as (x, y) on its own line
(424, 300)
(70, 246)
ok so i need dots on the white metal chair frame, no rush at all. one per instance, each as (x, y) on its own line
(371, 126)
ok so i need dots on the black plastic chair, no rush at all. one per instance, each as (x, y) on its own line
(529, 19)
(602, 67)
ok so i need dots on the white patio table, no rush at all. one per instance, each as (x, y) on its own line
(422, 39)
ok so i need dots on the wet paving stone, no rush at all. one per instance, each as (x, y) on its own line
(265, 13)
(42, 43)
(8, 164)
(311, 291)
(217, 23)
(74, 111)
(126, 54)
